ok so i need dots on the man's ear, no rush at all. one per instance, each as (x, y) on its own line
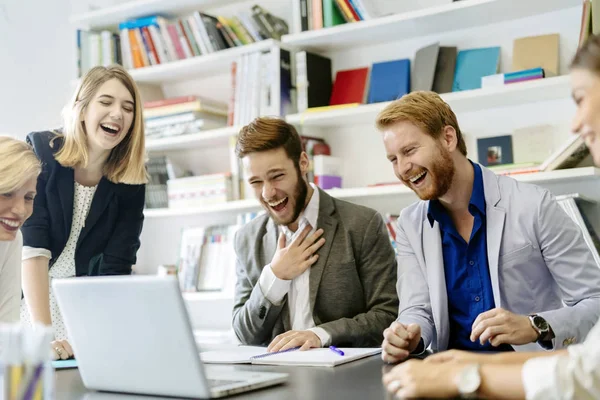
(304, 163)
(449, 138)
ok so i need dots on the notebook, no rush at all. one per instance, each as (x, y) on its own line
(390, 80)
(322, 357)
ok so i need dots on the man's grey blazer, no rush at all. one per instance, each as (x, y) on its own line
(352, 284)
(537, 259)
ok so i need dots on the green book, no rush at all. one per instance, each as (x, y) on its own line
(331, 14)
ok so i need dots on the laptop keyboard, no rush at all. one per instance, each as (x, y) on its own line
(220, 382)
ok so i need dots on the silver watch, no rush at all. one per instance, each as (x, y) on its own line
(468, 381)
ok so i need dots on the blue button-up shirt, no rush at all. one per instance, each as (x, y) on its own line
(468, 282)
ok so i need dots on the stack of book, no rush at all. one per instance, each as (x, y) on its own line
(183, 115)
(261, 86)
(317, 14)
(199, 191)
(157, 40)
(156, 188)
(97, 48)
(207, 259)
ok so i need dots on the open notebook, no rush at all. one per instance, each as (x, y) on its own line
(323, 357)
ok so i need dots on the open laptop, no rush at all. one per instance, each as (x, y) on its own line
(132, 334)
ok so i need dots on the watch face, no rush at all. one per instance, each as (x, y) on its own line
(469, 379)
(540, 323)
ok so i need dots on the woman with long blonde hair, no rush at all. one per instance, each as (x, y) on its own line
(88, 213)
(19, 169)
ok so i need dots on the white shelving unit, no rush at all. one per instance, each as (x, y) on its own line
(465, 101)
(404, 26)
(350, 131)
(205, 65)
(110, 16)
(584, 175)
(211, 138)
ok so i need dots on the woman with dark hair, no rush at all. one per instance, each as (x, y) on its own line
(572, 373)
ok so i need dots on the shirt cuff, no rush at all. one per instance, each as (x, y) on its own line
(323, 335)
(31, 252)
(539, 379)
(273, 288)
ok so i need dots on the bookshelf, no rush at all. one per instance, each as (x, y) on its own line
(466, 101)
(428, 21)
(210, 138)
(351, 132)
(204, 65)
(585, 175)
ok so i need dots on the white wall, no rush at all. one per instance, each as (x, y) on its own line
(37, 63)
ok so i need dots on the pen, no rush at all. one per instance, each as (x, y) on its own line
(336, 350)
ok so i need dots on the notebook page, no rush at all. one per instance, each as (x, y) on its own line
(322, 357)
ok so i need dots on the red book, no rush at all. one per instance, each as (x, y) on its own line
(349, 86)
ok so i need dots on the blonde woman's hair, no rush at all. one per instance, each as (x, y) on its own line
(126, 162)
(18, 164)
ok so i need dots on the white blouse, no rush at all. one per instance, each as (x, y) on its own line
(10, 279)
(561, 377)
(64, 267)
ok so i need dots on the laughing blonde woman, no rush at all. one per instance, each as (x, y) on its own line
(19, 169)
(88, 213)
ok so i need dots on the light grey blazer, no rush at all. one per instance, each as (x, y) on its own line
(537, 259)
(352, 285)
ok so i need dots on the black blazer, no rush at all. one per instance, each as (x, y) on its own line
(109, 241)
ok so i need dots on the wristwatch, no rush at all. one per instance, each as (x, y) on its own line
(468, 381)
(541, 326)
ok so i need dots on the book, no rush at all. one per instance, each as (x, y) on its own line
(569, 155)
(320, 357)
(444, 69)
(313, 80)
(474, 64)
(425, 66)
(390, 80)
(537, 52)
(331, 14)
(349, 86)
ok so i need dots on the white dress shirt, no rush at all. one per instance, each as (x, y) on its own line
(572, 376)
(297, 289)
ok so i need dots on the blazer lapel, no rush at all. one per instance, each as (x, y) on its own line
(436, 278)
(102, 197)
(495, 217)
(329, 226)
(66, 191)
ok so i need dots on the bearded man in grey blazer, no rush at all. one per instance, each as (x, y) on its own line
(485, 263)
(313, 270)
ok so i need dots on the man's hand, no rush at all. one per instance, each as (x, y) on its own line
(416, 379)
(61, 350)
(457, 356)
(291, 339)
(399, 341)
(499, 326)
(291, 261)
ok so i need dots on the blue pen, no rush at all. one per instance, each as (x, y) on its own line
(336, 350)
